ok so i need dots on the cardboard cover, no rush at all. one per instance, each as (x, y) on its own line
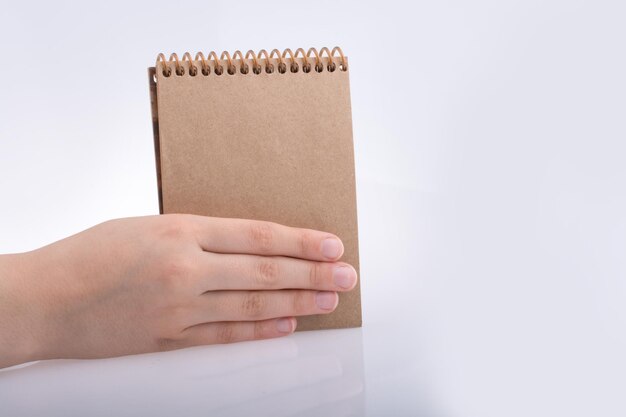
(274, 147)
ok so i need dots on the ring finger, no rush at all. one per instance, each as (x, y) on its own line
(262, 305)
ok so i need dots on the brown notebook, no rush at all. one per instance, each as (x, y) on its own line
(261, 136)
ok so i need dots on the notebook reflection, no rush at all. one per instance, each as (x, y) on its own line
(307, 373)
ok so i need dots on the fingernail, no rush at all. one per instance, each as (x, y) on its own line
(326, 300)
(331, 248)
(344, 276)
(284, 325)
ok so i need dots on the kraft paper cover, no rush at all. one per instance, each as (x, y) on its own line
(274, 147)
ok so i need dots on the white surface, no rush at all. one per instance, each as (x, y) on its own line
(491, 189)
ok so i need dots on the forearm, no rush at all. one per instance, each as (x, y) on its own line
(20, 314)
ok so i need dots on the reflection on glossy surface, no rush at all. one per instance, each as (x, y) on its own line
(316, 373)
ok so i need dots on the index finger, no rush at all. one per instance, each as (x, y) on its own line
(244, 236)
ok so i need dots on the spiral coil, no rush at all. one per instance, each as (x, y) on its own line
(251, 62)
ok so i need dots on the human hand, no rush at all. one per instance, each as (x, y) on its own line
(165, 282)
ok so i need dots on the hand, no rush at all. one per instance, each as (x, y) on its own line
(164, 282)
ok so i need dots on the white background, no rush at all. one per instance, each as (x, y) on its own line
(490, 141)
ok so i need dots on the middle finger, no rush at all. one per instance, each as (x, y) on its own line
(255, 272)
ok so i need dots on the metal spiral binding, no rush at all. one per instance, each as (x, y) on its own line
(321, 61)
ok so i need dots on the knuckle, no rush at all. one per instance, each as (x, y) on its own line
(315, 275)
(175, 226)
(225, 333)
(177, 268)
(301, 302)
(261, 236)
(258, 330)
(253, 305)
(163, 344)
(267, 273)
(305, 242)
(178, 315)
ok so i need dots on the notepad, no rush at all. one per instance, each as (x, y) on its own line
(264, 136)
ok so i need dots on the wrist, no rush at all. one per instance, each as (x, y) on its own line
(21, 316)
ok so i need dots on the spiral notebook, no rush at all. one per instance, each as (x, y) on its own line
(263, 136)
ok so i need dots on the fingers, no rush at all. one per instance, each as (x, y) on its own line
(230, 332)
(225, 235)
(261, 305)
(254, 272)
